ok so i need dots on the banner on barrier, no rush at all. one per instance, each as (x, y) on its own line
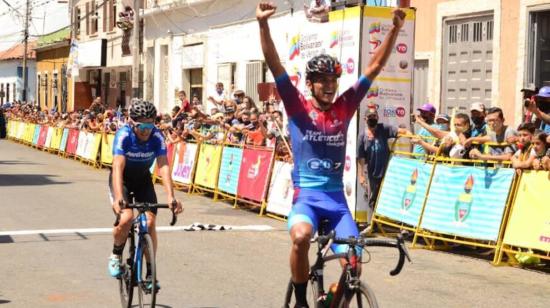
(254, 173)
(467, 201)
(228, 179)
(93, 143)
(42, 136)
(107, 149)
(49, 134)
(64, 138)
(281, 189)
(29, 133)
(403, 191)
(529, 224)
(36, 134)
(208, 165)
(82, 144)
(72, 142)
(169, 156)
(56, 138)
(184, 161)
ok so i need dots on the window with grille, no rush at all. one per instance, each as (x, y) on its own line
(464, 32)
(478, 32)
(452, 34)
(538, 50)
(490, 30)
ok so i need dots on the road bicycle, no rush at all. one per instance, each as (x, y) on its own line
(350, 290)
(134, 268)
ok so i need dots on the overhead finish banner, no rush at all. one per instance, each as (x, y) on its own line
(404, 189)
(467, 201)
(229, 170)
(184, 161)
(529, 223)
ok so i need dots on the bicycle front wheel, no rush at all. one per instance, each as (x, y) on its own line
(126, 281)
(312, 295)
(361, 297)
(147, 286)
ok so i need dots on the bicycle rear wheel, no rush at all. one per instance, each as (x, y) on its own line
(126, 281)
(147, 296)
(361, 297)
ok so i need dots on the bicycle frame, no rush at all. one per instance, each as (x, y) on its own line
(348, 279)
(141, 222)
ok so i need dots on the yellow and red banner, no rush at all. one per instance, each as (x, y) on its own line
(254, 174)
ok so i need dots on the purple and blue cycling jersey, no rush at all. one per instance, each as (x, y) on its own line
(319, 137)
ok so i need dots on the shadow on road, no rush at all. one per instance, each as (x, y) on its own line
(4, 301)
(28, 180)
(17, 162)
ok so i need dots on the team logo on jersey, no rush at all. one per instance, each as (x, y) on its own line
(314, 115)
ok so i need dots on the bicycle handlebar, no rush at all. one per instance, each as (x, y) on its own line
(144, 206)
(399, 243)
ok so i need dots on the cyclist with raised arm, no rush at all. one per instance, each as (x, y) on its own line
(318, 132)
(135, 147)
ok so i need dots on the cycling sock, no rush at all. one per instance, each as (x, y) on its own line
(117, 250)
(300, 293)
(148, 269)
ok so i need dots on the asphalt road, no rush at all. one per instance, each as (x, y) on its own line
(41, 191)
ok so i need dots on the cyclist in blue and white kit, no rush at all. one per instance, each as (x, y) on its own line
(136, 145)
(318, 132)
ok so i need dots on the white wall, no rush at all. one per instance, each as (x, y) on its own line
(8, 74)
(178, 26)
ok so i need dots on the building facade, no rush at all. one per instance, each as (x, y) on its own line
(53, 86)
(481, 51)
(193, 45)
(104, 54)
(11, 73)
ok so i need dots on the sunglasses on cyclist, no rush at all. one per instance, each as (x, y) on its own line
(144, 126)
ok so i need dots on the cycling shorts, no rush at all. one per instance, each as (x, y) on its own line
(140, 184)
(312, 206)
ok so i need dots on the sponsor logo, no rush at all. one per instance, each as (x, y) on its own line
(372, 92)
(337, 140)
(334, 38)
(374, 27)
(294, 47)
(401, 48)
(325, 164)
(140, 154)
(349, 66)
(314, 115)
(400, 111)
(394, 112)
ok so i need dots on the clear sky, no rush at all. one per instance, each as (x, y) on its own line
(46, 16)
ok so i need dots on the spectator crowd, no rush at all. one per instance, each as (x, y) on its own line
(225, 118)
(235, 118)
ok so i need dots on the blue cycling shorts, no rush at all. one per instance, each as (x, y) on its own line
(312, 206)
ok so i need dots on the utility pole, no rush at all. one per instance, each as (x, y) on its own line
(135, 52)
(26, 43)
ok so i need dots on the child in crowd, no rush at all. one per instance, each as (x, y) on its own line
(524, 157)
(541, 151)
